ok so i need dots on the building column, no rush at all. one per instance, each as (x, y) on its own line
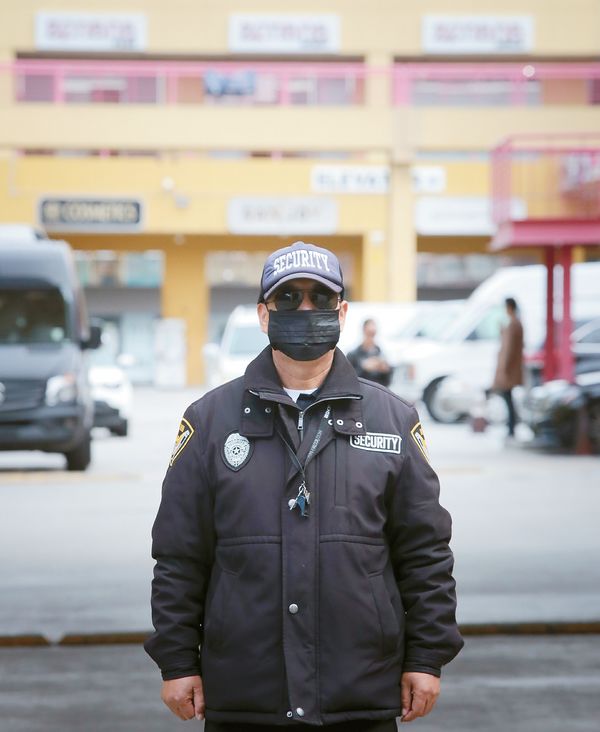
(185, 295)
(378, 83)
(401, 262)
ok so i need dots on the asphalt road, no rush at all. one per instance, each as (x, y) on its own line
(76, 546)
(549, 684)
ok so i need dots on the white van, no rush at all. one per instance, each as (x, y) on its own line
(469, 349)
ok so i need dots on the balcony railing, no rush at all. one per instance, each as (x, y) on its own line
(478, 84)
(249, 83)
(208, 83)
(555, 177)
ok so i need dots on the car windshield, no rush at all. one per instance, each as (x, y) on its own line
(32, 316)
(247, 340)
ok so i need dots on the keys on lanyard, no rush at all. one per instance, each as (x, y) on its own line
(301, 501)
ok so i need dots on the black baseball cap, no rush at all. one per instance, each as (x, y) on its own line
(301, 260)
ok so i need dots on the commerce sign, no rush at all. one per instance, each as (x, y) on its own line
(81, 31)
(284, 33)
(350, 179)
(91, 214)
(282, 215)
(480, 34)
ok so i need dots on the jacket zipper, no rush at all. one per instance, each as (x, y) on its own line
(301, 424)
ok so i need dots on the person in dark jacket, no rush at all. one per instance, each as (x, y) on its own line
(303, 572)
(368, 360)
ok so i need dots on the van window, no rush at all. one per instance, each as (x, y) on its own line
(489, 326)
(32, 316)
(247, 340)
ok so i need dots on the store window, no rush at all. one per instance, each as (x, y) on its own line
(120, 269)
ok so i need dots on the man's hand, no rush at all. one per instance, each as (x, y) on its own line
(419, 694)
(184, 697)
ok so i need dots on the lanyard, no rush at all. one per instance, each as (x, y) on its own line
(302, 500)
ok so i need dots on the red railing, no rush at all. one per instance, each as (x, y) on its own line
(169, 82)
(71, 81)
(554, 177)
(496, 84)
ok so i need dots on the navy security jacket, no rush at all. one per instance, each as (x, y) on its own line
(301, 619)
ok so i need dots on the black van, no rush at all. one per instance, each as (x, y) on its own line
(45, 399)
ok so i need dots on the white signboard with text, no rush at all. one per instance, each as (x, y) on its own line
(459, 215)
(428, 178)
(282, 215)
(480, 34)
(284, 33)
(350, 179)
(81, 31)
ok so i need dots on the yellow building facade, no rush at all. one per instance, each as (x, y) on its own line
(190, 128)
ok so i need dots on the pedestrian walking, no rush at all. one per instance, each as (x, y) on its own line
(368, 360)
(303, 573)
(509, 369)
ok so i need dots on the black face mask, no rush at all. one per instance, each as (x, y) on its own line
(304, 335)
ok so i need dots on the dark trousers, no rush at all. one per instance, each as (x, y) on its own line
(359, 725)
(512, 414)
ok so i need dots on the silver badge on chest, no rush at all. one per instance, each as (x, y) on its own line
(236, 451)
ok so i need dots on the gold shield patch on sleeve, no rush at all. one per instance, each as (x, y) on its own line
(419, 437)
(184, 435)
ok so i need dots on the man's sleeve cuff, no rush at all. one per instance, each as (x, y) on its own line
(169, 675)
(422, 668)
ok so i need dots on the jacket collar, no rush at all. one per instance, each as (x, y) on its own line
(262, 387)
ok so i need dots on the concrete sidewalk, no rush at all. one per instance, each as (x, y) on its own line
(525, 528)
(495, 684)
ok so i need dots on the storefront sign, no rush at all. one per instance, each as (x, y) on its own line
(350, 179)
(67, 31)
(284, 33)
(282, 215)
(428, 178)
(459, 215)
(91, 214)
(482, 34)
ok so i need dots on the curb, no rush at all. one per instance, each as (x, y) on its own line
(591, 627)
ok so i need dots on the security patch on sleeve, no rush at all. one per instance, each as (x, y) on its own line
(184, 435)
(419, 437)
(377, 442)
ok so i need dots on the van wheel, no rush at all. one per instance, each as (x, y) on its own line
(79, 457)
(436, 407)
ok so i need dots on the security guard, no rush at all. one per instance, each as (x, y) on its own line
(303, 574)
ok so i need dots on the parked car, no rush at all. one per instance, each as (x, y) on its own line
(45, 398)
(113, 398)
(444, 373)
(566, 415)
(112, 390)
(241, 342)
(585, 344)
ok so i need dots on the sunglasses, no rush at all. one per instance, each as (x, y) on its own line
(291, 298)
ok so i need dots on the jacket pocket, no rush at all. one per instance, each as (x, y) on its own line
(217, 613)
(388, 622)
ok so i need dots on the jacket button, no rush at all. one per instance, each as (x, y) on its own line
(289, 714)
(359, 424)
(293, 608)
(340, 422)
(300, 712)
(267, 410)
(247, 410)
